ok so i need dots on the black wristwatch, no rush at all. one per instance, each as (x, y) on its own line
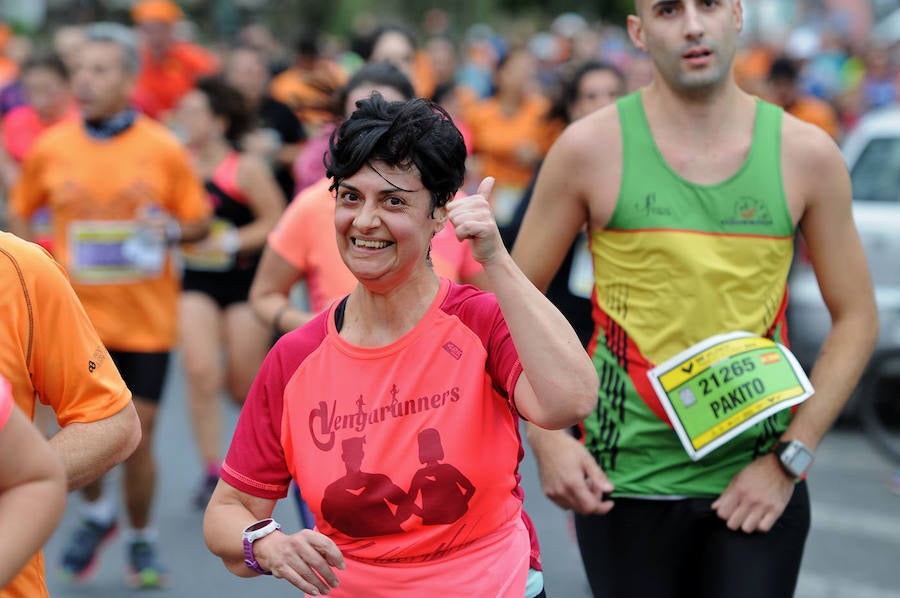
(794, 457)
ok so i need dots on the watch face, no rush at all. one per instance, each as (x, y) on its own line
(801, 460)
(258, 525)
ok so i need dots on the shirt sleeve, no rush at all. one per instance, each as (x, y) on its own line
(256, 462)
(72, 370)
(187, 199)
(481, 313)
(29, 194)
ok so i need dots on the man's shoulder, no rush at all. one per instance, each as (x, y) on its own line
(27, 262)
(153, 133)
(60, 136)
(805, 145)
(600, 129)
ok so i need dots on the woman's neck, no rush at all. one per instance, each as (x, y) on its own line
(375, 318)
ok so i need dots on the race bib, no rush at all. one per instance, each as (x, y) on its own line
(97, 253)
(209, 255)
(581, 274)
(725, 384)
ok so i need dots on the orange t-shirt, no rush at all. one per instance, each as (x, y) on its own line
(310, 93)
(94, 189)
(161, 83)
(496, 137)
(49, 351)
(305, 238)
(410, 464)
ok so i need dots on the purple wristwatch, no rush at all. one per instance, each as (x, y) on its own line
(254, 532)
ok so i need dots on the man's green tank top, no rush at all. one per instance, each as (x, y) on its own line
(677, 263)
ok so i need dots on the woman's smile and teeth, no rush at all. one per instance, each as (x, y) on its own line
(370, 243)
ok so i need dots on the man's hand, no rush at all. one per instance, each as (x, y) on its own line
(569, 475)
(306, 559)
(756, 496)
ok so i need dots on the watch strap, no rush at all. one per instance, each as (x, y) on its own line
(253, 533)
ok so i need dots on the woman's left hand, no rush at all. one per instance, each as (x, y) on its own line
(473, 219)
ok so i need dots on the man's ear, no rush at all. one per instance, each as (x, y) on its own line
(636, 32)
(738, 12)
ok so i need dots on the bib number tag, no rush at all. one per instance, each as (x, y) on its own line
(725, 384)
(208, 255)
(96, 252)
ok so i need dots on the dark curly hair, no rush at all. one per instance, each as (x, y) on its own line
(227, 102)
(403, 134)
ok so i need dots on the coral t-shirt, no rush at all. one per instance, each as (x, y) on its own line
(21, 128)
(411, 460)
(49, 351)
(94, 189)
(305, 238)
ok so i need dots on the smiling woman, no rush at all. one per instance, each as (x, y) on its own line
(398, 405)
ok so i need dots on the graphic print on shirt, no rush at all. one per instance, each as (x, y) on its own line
(445, 490)
(362, 504)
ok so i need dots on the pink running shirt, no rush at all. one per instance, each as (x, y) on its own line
(411, 461)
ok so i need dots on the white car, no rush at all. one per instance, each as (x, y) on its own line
(872, 152)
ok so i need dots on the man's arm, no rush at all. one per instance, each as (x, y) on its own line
(88, 450)
(756, 497)
(73, 373)
(839, 261)
(559, 208)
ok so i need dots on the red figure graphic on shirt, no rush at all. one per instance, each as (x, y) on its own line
(445, 490)
(359, 503)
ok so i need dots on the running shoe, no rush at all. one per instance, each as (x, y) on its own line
(144, 569)
(80, 556)
(205, 491)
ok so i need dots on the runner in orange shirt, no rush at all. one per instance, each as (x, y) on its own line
(511, 131)
(784, 90)
(120, 187)
(396, 410)
(169, 67)
(30, 474)
(50, 352)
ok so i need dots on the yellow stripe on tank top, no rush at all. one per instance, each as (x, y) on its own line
(712, 283)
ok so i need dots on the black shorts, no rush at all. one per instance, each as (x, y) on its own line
(681, 549)
(144, 373)
(225, 288)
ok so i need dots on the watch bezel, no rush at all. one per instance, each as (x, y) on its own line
(788, 453)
